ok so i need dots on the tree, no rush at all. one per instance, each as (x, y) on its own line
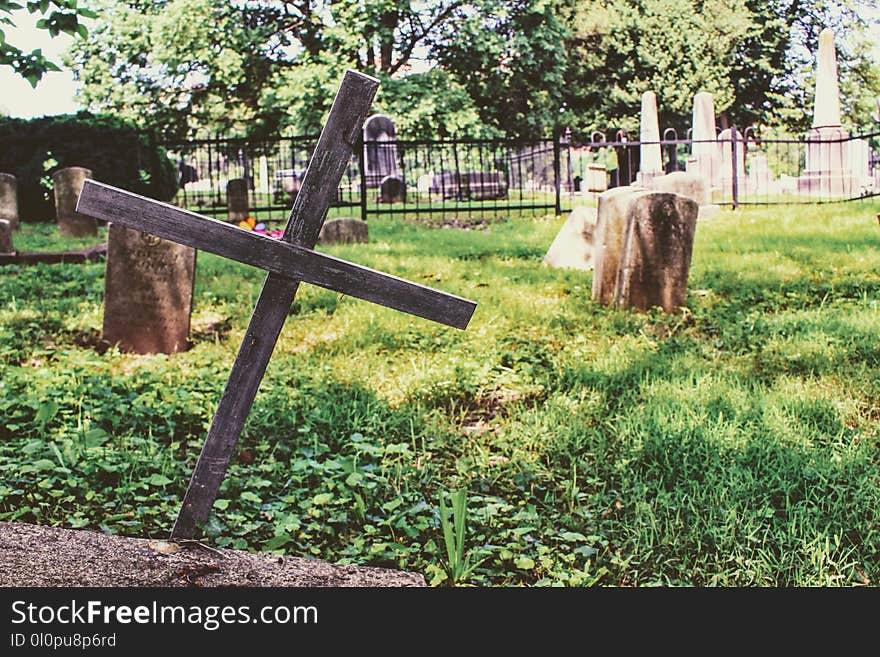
(477, 67)
(754, 56)
(58, 16)
(622, 48)
(183, 66)
(512, 61)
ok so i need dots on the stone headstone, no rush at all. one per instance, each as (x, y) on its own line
(262, 182)
(237, 205)
(446, 184)
(827, 172)
(705, 157)
(68, 184)
(148, 291)
(858, 161)
(343, 230)
(597, 177)
(650, 154)
(573, 246)
(9, 199)
(482, 185)
(424, 183)
(683, 183)
(6, 236)
(826, 101)
(392, 189)
(657, 252)
(608, 241)
(759, 174)
(380, 158)
(725, 139)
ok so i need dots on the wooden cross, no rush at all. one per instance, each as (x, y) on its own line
(288, 261)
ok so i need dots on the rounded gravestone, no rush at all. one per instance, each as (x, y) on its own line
(343, 230)
(9, 199)
(380, 149)
(684, 183)
(148, 287)
(657, 251)
(68, 184)
(237, 200)
(392, 190)
(378, 125)
(608, 241)
(6, 236)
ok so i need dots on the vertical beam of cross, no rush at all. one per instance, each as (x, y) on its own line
(328, 163)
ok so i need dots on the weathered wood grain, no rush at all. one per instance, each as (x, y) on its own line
(319, 185)
(291, 260)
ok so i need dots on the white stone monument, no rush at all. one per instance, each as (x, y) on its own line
(705, 159)
(827, 172)
(650, 155)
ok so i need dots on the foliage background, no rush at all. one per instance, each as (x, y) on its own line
(115, 150)
(476, 68)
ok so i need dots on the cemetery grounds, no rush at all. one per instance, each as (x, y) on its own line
(732, 443)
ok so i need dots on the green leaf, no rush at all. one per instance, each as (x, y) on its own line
(573, 537)
(524, 563)
(43, 464)
(277, 541)
(322, 498)
(96, 437)
(251, 497)
(221, 504)
(158, 480)
(46, 412)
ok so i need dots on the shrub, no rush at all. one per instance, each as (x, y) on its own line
(116, 152)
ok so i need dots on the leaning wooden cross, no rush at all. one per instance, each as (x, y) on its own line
(288, 261)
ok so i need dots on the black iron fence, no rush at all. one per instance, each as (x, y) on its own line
(745, 168)
(272, 170)
(514, 177)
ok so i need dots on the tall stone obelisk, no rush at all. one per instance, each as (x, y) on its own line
(705, 159)
(650, 155)
(827, 172)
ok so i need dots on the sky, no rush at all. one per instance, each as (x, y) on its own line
(55, 92)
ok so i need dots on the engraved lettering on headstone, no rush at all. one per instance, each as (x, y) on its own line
(147, 292)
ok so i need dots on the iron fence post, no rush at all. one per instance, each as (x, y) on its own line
(734, 187)
(361, 147)
(557, 172)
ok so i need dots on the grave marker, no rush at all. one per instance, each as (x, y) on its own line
(288, 261)
(608, 241)
(380, 158)
(573, 246)
(148, 291)
(237, 205)
(6, 237)
(826, 171)
(657, 251)
(705, 157)
(725, 139)
(650, 153)
(9, 199)
(68, 184)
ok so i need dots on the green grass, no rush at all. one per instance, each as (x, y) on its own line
(45, 237)
(733, 443)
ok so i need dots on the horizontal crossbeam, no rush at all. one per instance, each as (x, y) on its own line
(295, 262)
